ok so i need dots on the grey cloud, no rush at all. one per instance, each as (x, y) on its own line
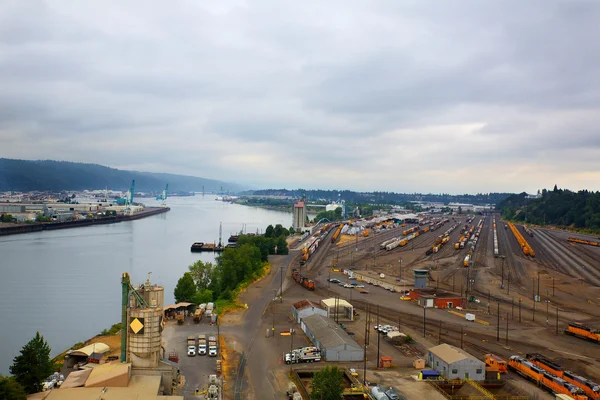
(382, 95)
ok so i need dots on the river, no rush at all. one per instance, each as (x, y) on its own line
(66, 283)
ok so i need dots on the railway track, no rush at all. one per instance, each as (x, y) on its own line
(507, 248)
(564, 256)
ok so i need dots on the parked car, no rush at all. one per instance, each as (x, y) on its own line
(334, 280)
(360, 286)
(347, 285)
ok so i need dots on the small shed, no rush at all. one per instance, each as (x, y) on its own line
(454, 363)
(339, 308)
(306, 308)
(385, 362)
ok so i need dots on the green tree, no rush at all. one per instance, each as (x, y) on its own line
(202, 296)
(6, 218)
(33, 365)
(201, 273)
(269, 232)
(11, 389)
(292, 231)
(185, 289)
(279, 230)
(327, 384)
(459, 209)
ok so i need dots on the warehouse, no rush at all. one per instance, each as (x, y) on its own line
(433, 298)
(455, 363)
(306, 308)
(338, 309)
(334, 342)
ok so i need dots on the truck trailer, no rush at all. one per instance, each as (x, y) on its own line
(307, 354)
(191, 343)
(202, 345)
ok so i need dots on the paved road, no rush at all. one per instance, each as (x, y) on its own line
(195, 369)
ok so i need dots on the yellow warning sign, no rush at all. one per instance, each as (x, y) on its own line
(136, 326)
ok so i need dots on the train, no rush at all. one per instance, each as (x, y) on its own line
(527, 250)
(336, 235)
(496, 251)
(302, 280)
(528, 231)
(314, 243)
(583, 332)
(545, 379)
(582, 241)
(589, 388)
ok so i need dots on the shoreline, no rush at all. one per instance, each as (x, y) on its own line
(50, 226)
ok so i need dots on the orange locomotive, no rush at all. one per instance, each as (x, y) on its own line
(591, 389)
(545, 379)
(583, 332)
(495, 364)
(307, 283)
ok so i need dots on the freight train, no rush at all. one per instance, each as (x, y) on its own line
(496, 252)
(313, 243)
(545, 379)
(528, 231)
(582, 241)
(583, 332)
(527, 250)
(591, 389)
(302, 280)
(336, 235)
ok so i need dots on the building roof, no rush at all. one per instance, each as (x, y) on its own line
(300, 204)
(106, 372)
(332, 301)
(450, 354)
(87, 351)
(178, 305)
(76, 379)
(328, 333)
(301, 305)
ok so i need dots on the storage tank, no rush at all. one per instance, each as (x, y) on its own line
(144, 337)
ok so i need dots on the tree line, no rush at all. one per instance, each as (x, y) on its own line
(558, 207)
(206, 281)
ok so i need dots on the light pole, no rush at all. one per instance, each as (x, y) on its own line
(502, 273)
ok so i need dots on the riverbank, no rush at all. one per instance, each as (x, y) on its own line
(49, 226)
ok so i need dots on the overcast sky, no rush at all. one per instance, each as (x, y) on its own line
(428, 96)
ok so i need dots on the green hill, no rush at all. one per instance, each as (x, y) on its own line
(48, 175)
(559, 207)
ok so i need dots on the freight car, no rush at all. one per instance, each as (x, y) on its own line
(336, 235)
(582, 241)
(545, 379)
(583, 332)
(527, 250)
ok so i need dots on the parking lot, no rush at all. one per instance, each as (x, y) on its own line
(195, 369)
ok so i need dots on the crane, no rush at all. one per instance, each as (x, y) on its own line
(129, 198)
(163, 196)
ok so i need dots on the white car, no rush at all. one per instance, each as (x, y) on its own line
(191, 351)
(347, 285)
(359, 286)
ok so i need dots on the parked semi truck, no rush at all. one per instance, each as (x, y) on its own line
(191, 343)
(202, 345)
(306, 354)
(198, 315)
(212, 346)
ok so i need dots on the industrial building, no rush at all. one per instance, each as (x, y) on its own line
(335, 344)
(434, 298)
(454, 363)
(338, 309)
(306, 308)
(299, 216)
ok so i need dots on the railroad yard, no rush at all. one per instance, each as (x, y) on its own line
(495, 269)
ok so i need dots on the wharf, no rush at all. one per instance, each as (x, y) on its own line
(49, 226)
(198, 247)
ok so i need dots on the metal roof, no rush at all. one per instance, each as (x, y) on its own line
(328, 333)
(332, 301)
(302, 304)
(87, 351)
(450, 354)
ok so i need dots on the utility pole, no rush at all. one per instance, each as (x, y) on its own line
(533, 318)
(502, 273)
(557, 320)
(547, 306)
(489, 302)
(281, 286)
(538, 282)
(461, 337)
(440, 333)
(366, 344)
(512, 306)
(424, 318)
(368, 323)
(498, 330)
(378, 337)
(291, 346)
(508, 288)
(507, 329)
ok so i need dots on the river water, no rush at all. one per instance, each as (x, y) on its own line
(66, 283)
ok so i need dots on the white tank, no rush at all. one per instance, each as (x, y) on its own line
(378, 394)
